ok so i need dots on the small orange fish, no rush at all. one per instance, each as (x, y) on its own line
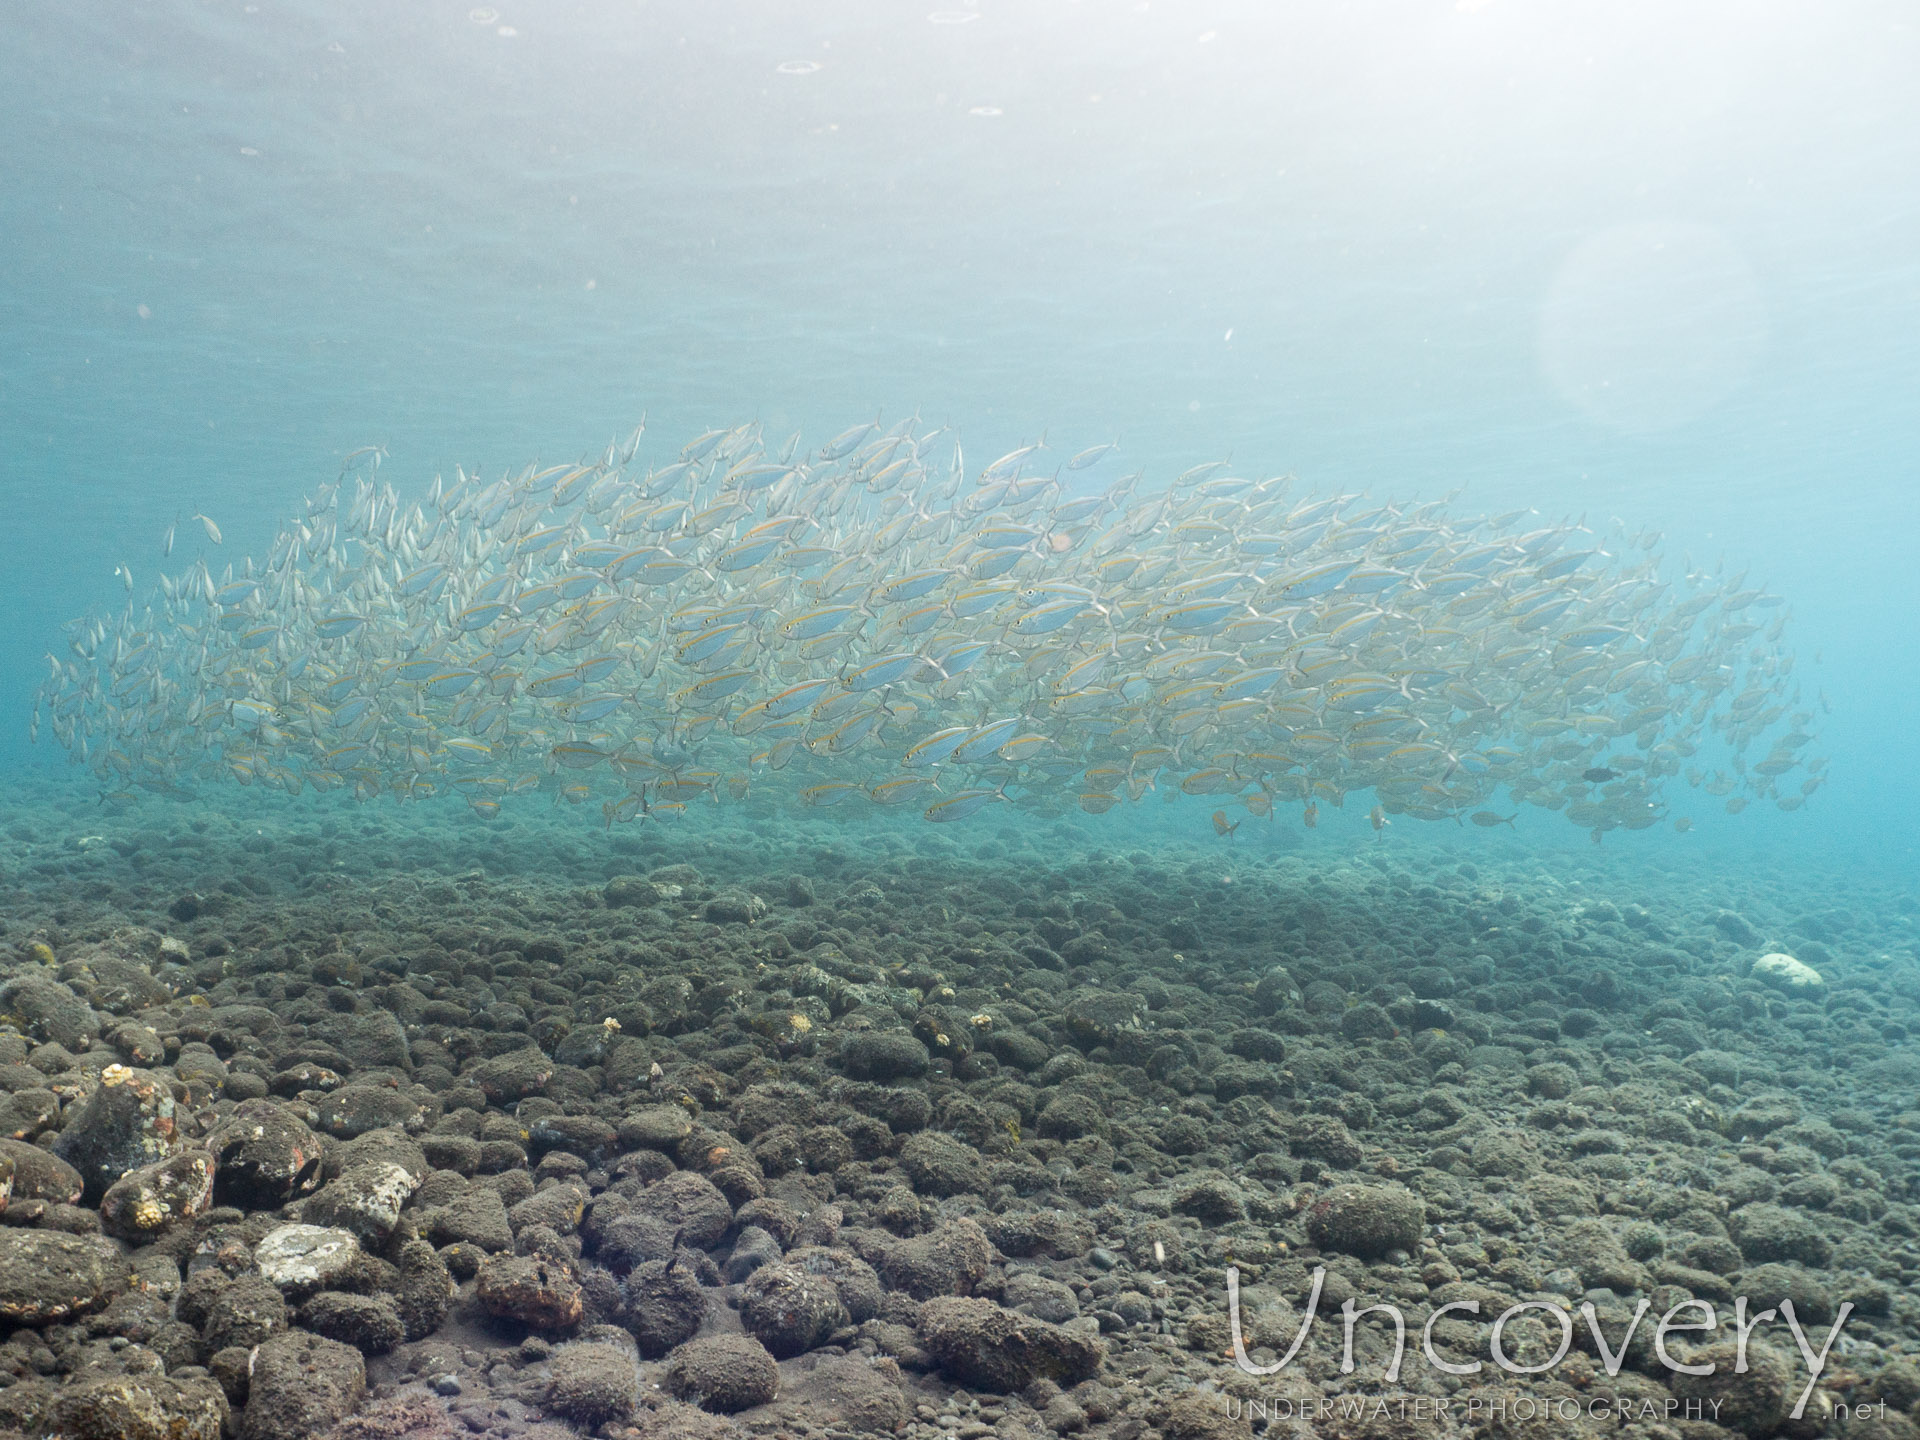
(1311, 814)
(1220, 825)
(1259, 804)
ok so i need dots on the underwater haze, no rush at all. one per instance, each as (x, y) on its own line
(1612, 261)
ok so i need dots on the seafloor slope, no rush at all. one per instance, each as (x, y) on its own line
(729, 1116)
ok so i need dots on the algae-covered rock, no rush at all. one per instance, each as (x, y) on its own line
(976, 1342)
(1367, 1220)
(723, 1373)
(46, 1276)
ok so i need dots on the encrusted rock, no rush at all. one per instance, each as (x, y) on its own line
(513, 1076)
(146, 1201)
(47, 1010)
(790, 1310)
(300, 1386)
(366, 1200)
(141, 1407)
(245, 1313)
(593, 1383)
(47, 1276)
(478, 1217)
(723, 1373)
(536, 1291)
(949, 1261)
(688, 1203)
(126, 1123)
(1367, 1220)
(665, 1304)
(1784, 972)
(41, 1175)
(301, 1259)
(369, 1323)
(976, 1342)
(267, 1156)
(426, 1289)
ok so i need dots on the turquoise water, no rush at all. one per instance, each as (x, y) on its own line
(1600, 260)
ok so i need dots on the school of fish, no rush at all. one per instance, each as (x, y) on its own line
(868, 623)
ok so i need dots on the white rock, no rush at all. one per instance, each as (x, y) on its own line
(366, 1199)
(305, 1257)
(1782, 970)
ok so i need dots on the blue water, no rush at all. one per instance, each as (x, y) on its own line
(1600, 259)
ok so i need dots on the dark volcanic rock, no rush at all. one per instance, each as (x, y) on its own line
(46, 1276)
(978, 1343)
(688, 1203)
(790, 1310)
(883, 1055)
(301, 1385)
(593, 1383)
(538, 1292)
(513, 1076)
(48, 1010)
(266, 1156)
(665, 1304)
(41, 1175)
(1367, 1220)
(1772, 1232)
(853, 1279)
(950, 1261)
(723, 1373)
(245, 1313)
(141, 1204)
(141, 1407)
(426, 1289)
(940, 1165)
(1749, 1394)
(374, 1040)
(478, 1217)
(354, 1110)
(127, 1122)
(369, 1323)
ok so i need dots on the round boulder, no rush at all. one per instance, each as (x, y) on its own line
(536, 1291)
(1783, 972)
(126, 1123)
(688, 1203)
(723, 1373)
(369, 1323)
(141, 1204)
(1754, 1403)
(48, 1276)
(141, 1407)
(940, 1165)
(665, 1305)
(300, 1386)
(267, 1156)
(790, 1310)
(1367, 1220)
(883, 1055)
(593, 1383)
